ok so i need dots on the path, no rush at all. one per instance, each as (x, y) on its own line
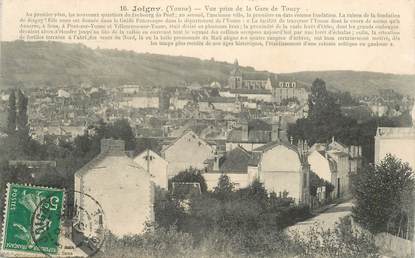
(325, 220)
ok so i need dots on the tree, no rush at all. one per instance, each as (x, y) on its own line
(324, 120)
(190, 175)
(381, 192)
(22, 117)
(121, 129)
(11, 117)
(315, 183)
(224, 188)
(256, 192)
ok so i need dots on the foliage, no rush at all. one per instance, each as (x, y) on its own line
(344, 98)
(11, 118)
(22, 117)
(316, 182)
(225, 187)
(159, 242)
(190, 175)
(248, 209)
(143, 144)
(88, 145)
(346, 240)
(383, 191)
(255, 192)
(167, 209)
(325, 120)
(287, 101)
(122, 130)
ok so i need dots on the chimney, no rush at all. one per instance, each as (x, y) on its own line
(112, 146)
(245, 133)
(216, 162)
(275, 131)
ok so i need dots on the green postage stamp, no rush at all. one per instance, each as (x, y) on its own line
(32, 219)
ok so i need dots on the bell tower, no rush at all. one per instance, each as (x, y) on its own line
(235, 78)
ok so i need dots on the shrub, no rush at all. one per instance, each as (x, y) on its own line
(159, 242)
(345, 241)
(167, 210)
(190, 175)
(381, 192)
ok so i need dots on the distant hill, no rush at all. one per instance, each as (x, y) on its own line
(29, 64)
(361, 83)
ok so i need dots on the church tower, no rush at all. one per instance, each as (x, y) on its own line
(235, 78)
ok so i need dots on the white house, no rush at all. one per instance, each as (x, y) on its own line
(187, 151)
(320, 164)
(398, 141)
(335, 162)
(284, 167)
(279, 166)
(141, 102)
(235, 164)
(155, 165)
(122, 188)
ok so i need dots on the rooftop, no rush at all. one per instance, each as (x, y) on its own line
(235, 161)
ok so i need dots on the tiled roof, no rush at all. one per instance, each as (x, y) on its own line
(258, 132)
(271, 145)
(255, 158)
(258, 124)
(253, 137)
(234, 161)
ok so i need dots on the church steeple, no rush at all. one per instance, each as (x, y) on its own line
(235, 78)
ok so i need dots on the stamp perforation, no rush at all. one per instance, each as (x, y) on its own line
(6, 219)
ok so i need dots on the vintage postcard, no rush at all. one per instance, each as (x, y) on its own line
(238, 128)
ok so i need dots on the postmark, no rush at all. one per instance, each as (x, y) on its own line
(88, 224)
(84, 228)
(32, 219)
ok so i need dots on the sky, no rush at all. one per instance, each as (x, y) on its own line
(398, 59)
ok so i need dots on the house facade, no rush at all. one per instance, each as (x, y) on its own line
(335, 163)
(279, 166)
(388, 138)
(187, 151)
(155, 165)
(235, 164)
(123, 189)
(283, 168)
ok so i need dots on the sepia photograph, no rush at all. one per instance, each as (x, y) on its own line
(240, 129)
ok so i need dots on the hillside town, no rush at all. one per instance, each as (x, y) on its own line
(133, 145)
